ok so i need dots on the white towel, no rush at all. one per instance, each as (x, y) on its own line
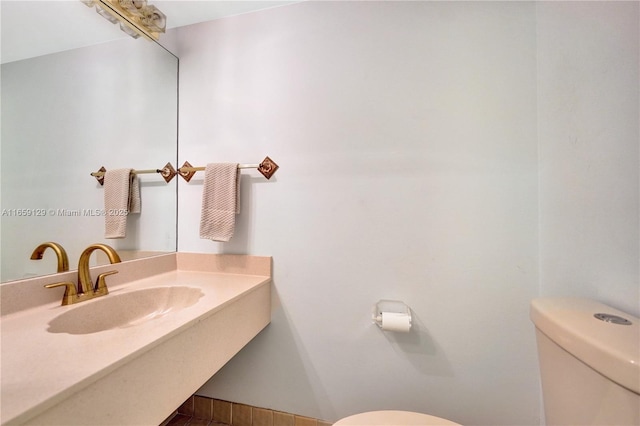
(220, 201)
(121, 197)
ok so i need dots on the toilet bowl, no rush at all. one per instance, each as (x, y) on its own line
(393, 418)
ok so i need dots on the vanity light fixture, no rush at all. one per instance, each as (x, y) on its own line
(136, 18)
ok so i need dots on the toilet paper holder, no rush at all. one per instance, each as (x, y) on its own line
(392, 315)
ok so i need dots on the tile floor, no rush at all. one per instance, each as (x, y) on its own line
(202, 411)
(184, 420)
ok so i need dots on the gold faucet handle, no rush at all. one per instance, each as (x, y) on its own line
(101, 284)
(70, 292)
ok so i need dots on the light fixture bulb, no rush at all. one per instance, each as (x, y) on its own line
(133, 6)
(129, 31)
(153, 19)
(106, 15)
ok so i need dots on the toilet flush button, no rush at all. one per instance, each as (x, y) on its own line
(614, 319)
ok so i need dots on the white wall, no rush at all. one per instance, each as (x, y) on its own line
(406, 136)
(588, 130)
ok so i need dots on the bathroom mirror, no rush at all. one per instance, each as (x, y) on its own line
(104, 100)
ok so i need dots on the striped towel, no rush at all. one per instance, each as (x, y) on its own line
(220, 201)
(121, 197)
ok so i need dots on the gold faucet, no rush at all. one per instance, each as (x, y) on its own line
(84, 277)
(63, 259)
(85, 290)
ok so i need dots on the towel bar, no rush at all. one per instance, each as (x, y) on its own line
(167, 172)
(267, 167)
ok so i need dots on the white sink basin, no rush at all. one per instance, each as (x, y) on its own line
(124, 310)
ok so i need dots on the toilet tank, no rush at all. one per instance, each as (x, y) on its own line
(589, 367)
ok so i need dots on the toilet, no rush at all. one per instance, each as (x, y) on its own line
(393, 418)
(589, 356)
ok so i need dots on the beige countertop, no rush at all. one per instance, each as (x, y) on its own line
(40, 369)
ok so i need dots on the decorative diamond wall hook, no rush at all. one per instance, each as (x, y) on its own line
(186, 175)
(168, 172)
(100, 175)
(268, 167)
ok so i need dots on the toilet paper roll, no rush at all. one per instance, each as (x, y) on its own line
(394, 321)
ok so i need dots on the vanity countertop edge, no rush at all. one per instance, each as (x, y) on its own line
(37, 376)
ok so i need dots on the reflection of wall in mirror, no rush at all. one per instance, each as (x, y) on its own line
(63, 116)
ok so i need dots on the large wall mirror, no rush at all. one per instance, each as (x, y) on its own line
(64, 115)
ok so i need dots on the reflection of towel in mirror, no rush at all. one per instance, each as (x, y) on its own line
(220, 201)
(121, 197)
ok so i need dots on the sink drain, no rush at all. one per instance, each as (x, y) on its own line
(614, 319)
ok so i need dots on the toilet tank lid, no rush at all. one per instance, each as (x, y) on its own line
(611, 349)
